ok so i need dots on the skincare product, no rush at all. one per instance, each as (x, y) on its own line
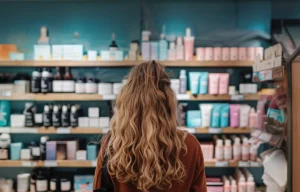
(15, 151)
(35, 151)
(227, 150)
(219, 150)
(93, 112)
(154, 51)
(253, 151)
(83, 122)
(213, 83)
(233, 53)
(68, 83)
(188, 45)
(41, 182)
(53, 185)
(80, 85)
(4, 113)
(172, 52)
(203, 83)
(252, 118)
(217, 53)
(163, 47)
(91, 152)
(46, 82)
(224, 115)
(183, 82)
(146, 45)
(234, 115)
(105, 88)
(245, 149)
(58, 81)
(251, 53)
(93, 122)
(43, 142)
(242, 52)
(51, 150)
(223, 83)
(226, 185)
(92, 55)
(113, 46)
(244, 115)
(56, 116)
(74, 116)
(91, 86)
(65, 116)
(17, 120)
(47, 116)
(36, 81)
(179, 49)
(206, 114)
(276, 114)
(72, 147)
(29, 115)
(208, 53)
(22, 182)
(194, 82)
(104, 122)
(259, 51)
(117, 88)
(105, 55)
(200, 53)
(225, 53)
(25, 154)
(81, 155)
(250, 184)
(194, 118)
(182, 108)
(65, 185)
(215, 116)
(242, 184)
(175, 85)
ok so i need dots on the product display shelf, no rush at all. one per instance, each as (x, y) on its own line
(87, 163)
(125, 63)
(276, 74)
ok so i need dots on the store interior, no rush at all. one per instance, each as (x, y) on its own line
(63, 63)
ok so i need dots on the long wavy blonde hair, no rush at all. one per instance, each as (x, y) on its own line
(145, 145)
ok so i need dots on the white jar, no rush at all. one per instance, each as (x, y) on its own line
(80, 86)
(57, 86)
(91, 86)
(117, 88)
(105, 88)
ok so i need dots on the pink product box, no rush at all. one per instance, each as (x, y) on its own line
(251, 53)
(259, 51)
(242, 53)
(225, 53)
(208, 151)
(233, 53)
(200, 54)
(72, 147)
(217, 53)
(214, 188)
(208, 54)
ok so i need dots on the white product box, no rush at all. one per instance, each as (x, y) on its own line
(38, 117)
(117, 88)
(119, 55)
(104, 122)
(248, 88)
(57, 52)
(94, 122)
(77, 52)
(42, 52)
(105, 88)
(81, 155)
(67, 52)
(17, 120)
(92, 55)
(83, 122)
(93, 112)
(25, 154)
(105, 55)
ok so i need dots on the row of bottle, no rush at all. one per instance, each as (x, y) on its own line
(243, 181)
(53, 115)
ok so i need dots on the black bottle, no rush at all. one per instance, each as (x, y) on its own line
(56, 116)
(46, 81)
(47, 116)
(33, 176)
(65, 116)
(36, 81)
(29, 115)
(43, 142)
(74, 116)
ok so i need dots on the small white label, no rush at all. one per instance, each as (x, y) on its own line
(36, 151)
(26, 164)
(222, 164)
(63, 130)
(94, 163)
(49, 163)
(255, 164)
(237, 97)
(108, 97)
(183, 97)
(214, 130)
(265, 137)
(244, 164)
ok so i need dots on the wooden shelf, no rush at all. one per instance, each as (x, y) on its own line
(90, 164)
(123, 63)
(276, 74)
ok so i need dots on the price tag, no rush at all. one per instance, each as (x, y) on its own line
(63, 130)
(26, 164)
(183, 97)
(49, 163)
(108, 97)
(265, 137)
(244, 164)
(94, 163)
(214, 130)
(222, 164)
(255, 164)
(237, 97)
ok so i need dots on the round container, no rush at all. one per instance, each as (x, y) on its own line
(233, 53)
(41, 184)
(65, 185)
(105, 88)
(200, 54)
(225, 53)
(80, 86)
(117, 88)
(23, 182)
(208, 54)
(53, 184)
(217, 53)
(91, 86)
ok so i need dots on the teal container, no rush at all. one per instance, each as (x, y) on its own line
(194, 118)
(224, 118)
(15, 151)
(215, 116)
(203, 83)
(4, 113)
(91, 152)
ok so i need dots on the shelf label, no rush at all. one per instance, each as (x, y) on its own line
(94, 163)
(50, 163)
(108, 97)
(214, 130)
(183, 97)
(24, 130)
(244, 164)
(26, 164)
(255, 164)
(237, 97)
(63, 130)
(222, 164)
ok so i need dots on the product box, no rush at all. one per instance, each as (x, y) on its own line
(104, 122)
(16, 56)
(17, 120)
(42, 52)
(92, 55)
(119, 55)
(93, 112)
(91, 152)
(51, 150)
(105, 55)
(25, 154)
(72, 147)
(61, 150)
(83, 183)
(77, 52)
(194, 118)
(83, 122)
(67, 52)
(81, 155)
(15, 151)
(146, 51)
(93, 122)
(57, 52)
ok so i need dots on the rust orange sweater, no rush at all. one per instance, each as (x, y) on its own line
(192, 160)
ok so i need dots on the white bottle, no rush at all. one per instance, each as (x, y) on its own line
(183, 82)
(234, 187)
(227, 150)
(242, 184)
(250, 184)
(237, 149)
(245, 150)
(179, 49)
(219, 150)
(172, 52)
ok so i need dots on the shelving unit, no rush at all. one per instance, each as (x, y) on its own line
(125, 63)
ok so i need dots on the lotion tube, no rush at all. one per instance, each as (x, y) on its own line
(206, 113)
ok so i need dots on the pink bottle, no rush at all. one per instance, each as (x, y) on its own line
(245, 150)
(234, 187)
(237, 149)
(189, 45)
(200, 54)
(224, 82)
(251, 53)
(233, 53)
(217, 53)
(242, 184)
(250, 184)
(225, 54)
(208, 54)
(242, 53)
(234, 115)
(219, 150)
(227, 150)
(227, 187)
(252, 118)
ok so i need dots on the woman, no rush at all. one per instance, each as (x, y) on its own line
(145, 150)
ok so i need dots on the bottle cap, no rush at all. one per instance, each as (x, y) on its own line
(242, 179)
(179, 41)
(64, 108)
(237, 141)
(245, 140)
(73, 108)
(28, 105)
(188, 32)
(55, 108)
(44, 139)
(227, 182)
(233, 182)
(46, 108)
(228, 142)
(219, 142)
(172, 45)
(182, 72)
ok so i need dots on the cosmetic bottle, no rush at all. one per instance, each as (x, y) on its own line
(41, 182)
(233, 187)
(179, 49)
(80, 85)
(58, 81)
(5, 141)
(219, 150)
(53, 185)
(23, 182)
(242, 187)
(5, 109)
(113, 47)
(68, 83)
(237, 149)
(227, 150)
(172, 52)
(245, 149)
(65, 116)
(36, 81)
(146, 45)
(163, 48)
(65, 185)
(74, 116)
(91, 86)
(188, 45)
(33, 177)
(182, 82)
(29, 115)
(250, 184)
(35, 151)
(46, 82)
(226, 184)
(47, 116)
(43, 142)
(252, 118)
(56, 116)
(244, 115)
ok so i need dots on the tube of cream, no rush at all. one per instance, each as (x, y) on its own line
(244, 115)
(215, 116)
(223, 84)
(224, 115)
(206, 113)
(234, 115)
(194, 118)
(194, 82)
(214, 83)
(203, 84)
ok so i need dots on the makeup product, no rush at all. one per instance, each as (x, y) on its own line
(225, 53)
(58, 81)
(43, 142)
(206, 114)
(179, 49)
(237, 149)
(252, 118)
(15, 151)
(41, 182)
(215, 116)
(91, 86)
(234, 115)
(91, 152)
(242, 52)
(245, 149)
(233, 53)
(213, 87)
(200, 54)
(227, 150)
(65, 185)
(36, 81)
(65, 116)
(208, 53)
(46, 82)
(183, 82)
(217, 53)
(68, 82)
(56, 116)
(105, 88)
(223, 83)
(194, 78)
(244, 115)
(219, 150)
(194, 118)
(224, 115)
(172, 52)
(74, 116)
(175, 85)
(47, 116)
(80, 85)
(203, 83)
(29, 115)
(188, 45)
(81, 155)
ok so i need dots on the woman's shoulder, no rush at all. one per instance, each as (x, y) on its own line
(192, 143)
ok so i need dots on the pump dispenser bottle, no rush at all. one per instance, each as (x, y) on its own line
(188, 45)
(179, 49)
